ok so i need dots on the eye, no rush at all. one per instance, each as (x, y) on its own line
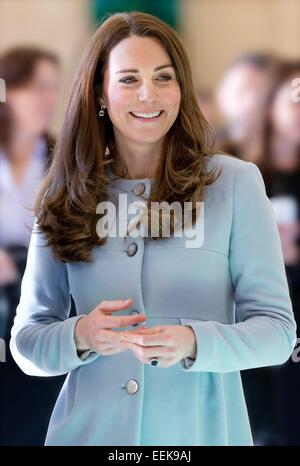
(131, 79)
(166, 77)
(125, 79)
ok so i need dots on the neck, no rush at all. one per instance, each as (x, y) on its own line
(140, 162)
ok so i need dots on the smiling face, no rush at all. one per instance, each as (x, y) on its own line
(140, 78)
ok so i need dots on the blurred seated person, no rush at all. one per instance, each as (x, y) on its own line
(31, 76)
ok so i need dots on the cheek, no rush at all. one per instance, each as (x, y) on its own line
(172, 97)
(22, 106)
(229, 101)
(251, 103)
(119, 102)
(30, 113)
(44, 107)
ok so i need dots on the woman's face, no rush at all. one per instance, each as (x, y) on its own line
(241, 97)
(285, 113)
(133, 83)
(32, 105)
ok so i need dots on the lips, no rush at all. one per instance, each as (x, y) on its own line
(145, 118)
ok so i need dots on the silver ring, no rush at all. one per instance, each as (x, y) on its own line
(154, 362)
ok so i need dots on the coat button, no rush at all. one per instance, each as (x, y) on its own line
(139, 189)
(134, 312)
(132, 386)
(132, 249)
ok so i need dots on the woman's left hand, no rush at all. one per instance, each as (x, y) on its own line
(168, 343)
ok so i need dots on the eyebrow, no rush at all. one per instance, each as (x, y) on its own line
(168, 65)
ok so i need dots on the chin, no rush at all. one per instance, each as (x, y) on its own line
(143, 137)
(149, 140)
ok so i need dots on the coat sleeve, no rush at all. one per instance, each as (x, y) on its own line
(42, 337)
(264, 332)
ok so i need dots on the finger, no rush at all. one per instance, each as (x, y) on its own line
(111, 337)
(145, 330)
(144, 339)
(136, 330)
(122, 321)
(115, 305)
(150, 351)
(106, 336)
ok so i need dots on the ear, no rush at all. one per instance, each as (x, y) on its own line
(102, 102)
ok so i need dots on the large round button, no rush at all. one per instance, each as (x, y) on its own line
(134, 312)
(132, 249)
(132, 386)
(139, 189)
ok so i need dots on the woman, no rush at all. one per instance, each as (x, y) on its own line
(279, 164)
(242, 97)
(281, 171)
(31, 76)
(175, 381)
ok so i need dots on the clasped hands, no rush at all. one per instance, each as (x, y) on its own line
(168, 343)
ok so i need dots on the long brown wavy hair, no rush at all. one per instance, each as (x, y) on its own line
(77, 182)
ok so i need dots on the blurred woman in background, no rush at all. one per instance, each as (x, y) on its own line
(241, 98)
(262, 125)
(280, 168)
(31, 76)
(281, 143)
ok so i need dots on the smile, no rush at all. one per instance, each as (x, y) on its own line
(146, 116)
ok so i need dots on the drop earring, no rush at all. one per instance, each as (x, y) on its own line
(101, 111)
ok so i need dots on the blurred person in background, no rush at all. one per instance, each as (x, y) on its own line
(280, 168)
(271, 393)
(31, 76)
(280, 165)
(242, 97)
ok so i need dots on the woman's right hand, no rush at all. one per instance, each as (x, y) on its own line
(94, 330)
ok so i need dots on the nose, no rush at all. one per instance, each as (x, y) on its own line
(147, 92)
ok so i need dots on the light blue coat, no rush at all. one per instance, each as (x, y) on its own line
(232, 291)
